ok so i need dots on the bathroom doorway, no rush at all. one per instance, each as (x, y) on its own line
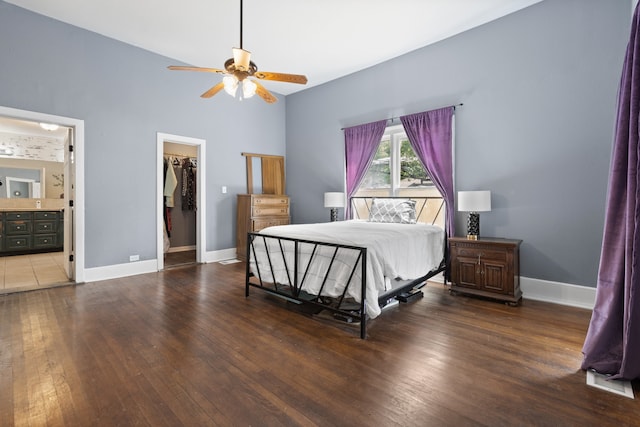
(56, 158)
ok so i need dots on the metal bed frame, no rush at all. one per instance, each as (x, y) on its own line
(342, 307)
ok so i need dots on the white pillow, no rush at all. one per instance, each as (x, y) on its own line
(402, 211)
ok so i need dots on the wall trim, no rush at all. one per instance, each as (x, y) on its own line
(220, 255)
(120, 270)
(552, 292)
(558, 293)
(532, 289)
(143, 267)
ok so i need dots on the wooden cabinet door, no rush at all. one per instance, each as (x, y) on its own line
(467, 272)
(494, 277)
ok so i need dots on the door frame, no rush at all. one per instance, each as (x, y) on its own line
(201, 193)
(77, 127)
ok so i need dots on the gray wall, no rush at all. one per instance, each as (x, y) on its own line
(539, 91)
(125, 95)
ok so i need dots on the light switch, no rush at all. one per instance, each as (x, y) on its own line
(224, 189)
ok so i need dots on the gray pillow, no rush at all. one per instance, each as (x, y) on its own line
(402, 211)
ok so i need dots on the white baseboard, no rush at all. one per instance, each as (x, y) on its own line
(120, 270)
(558, 293)
(148, 266)
(533, 289)
(553, 292)
(221, 255)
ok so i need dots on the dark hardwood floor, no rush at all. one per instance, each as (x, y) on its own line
(185, 347)
(179, 259)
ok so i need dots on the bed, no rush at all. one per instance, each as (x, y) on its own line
(352, 269)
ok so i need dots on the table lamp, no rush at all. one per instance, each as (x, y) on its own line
(474, 202)
(334, 200)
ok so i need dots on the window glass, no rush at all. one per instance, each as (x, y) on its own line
(396, 169)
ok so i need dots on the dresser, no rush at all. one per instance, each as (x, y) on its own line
(487, 267)
(258, 211)
(31, 231)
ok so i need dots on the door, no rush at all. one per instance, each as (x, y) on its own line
(69, 209)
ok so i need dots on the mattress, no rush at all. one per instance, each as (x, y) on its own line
(394, 251)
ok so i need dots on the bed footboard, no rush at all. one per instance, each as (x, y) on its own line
(326, 276)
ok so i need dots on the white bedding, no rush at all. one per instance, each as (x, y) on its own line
(403, 251)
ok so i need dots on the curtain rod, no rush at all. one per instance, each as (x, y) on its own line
(392, 119)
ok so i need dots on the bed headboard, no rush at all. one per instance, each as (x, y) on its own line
(429, 209)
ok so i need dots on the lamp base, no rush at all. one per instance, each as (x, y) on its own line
(334, 214)
(473, 226)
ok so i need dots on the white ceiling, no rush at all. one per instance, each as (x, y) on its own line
(322, 39)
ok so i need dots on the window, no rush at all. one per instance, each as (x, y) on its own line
(396, 169)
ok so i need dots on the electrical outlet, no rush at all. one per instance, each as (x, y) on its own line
(133, 258)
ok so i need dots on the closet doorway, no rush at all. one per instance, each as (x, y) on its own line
(181, 201)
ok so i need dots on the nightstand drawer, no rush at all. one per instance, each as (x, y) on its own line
(481, 253)
(270, 210)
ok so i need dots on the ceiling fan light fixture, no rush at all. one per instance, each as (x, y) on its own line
(241, 58)
(230, 84)
(248, 88)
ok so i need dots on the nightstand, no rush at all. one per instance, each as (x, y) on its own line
(487, 267)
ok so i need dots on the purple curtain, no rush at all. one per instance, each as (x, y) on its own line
(360, 144)
(430, 134)
(612, 345)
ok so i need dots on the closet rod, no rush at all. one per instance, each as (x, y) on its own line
(177, 155)
(392, 119)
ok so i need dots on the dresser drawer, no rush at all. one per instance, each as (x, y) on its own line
(45, 215)
(280, 201)
(15, 216)
(267, 210)
(42, 241)
(259, 224)
(18, 242)
(18, 227)
(45, 226)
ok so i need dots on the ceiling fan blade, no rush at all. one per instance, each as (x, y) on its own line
(281, 77)
(217, 88)
(264, 93)
(207, 70)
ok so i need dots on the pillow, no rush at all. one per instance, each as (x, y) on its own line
(400, 211)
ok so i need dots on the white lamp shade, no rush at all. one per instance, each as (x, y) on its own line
(474, 201)
(334, 200)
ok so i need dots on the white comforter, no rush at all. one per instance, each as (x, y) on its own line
(403, 251)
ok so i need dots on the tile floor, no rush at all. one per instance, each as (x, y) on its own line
(28, 272)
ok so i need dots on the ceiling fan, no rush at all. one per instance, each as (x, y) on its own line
(238, 69)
